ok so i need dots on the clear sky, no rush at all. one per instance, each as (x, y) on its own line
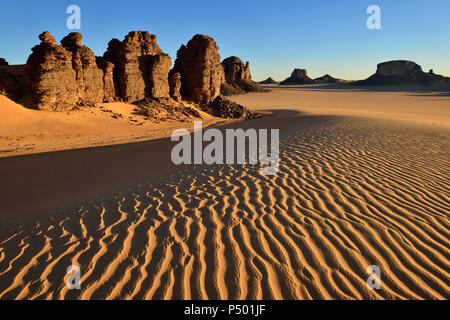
(322, 36)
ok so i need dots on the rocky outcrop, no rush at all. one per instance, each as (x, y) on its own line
(201, 71)
(224, 108)
(3, 62)
(10, 85)
(109, 86)
(268, 81)
(141, 68)
(52, 76)
(89, 78)
(401, 72)
(159, 68)
(235, 69)
(175, 86)
(238, 79)
(328, 79)
(298, 76)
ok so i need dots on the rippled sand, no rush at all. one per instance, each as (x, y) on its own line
(350, 193)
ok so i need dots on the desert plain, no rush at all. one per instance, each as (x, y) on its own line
(364, 179)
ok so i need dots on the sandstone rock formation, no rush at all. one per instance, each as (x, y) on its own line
(89, 78)
(60, 77)
(141, 68)
(268, 81)
(15, 83)
(236, 70)
(401, 72)
(109, 86)
(298, 76)
(159, 68)
(52, 76)
(175, 86)
(238, 79)
(200, 68)
(10, 85)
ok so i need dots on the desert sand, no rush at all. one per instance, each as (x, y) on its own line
(27, 131)
(363, 180)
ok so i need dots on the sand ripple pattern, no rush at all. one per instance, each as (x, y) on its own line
(349, 194)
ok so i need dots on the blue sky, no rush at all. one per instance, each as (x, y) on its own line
(322, 36)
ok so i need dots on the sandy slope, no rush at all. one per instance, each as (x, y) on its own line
(351, 192)
(25, 131)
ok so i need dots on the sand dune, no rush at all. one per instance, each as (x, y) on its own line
(351, 192)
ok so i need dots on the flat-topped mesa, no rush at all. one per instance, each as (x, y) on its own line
(52, 76)
(400, 72)
(141, 68)
(399, 68)
(201, 71)
(298, 76)
(238, 78)
(89, 78)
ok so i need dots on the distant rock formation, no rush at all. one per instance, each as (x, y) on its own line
(328, 79)
(175, 86)
(141, 68)
(3, 62)
(200, 68)
(298, 76)
(401, 72)
(236, 70)
(52, 76)
(268, 81)
(238, 79)
(89, 78)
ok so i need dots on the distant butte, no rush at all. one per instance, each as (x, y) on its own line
(400, 72)
(298, 76)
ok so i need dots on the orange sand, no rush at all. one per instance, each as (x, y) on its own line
(357, 186)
